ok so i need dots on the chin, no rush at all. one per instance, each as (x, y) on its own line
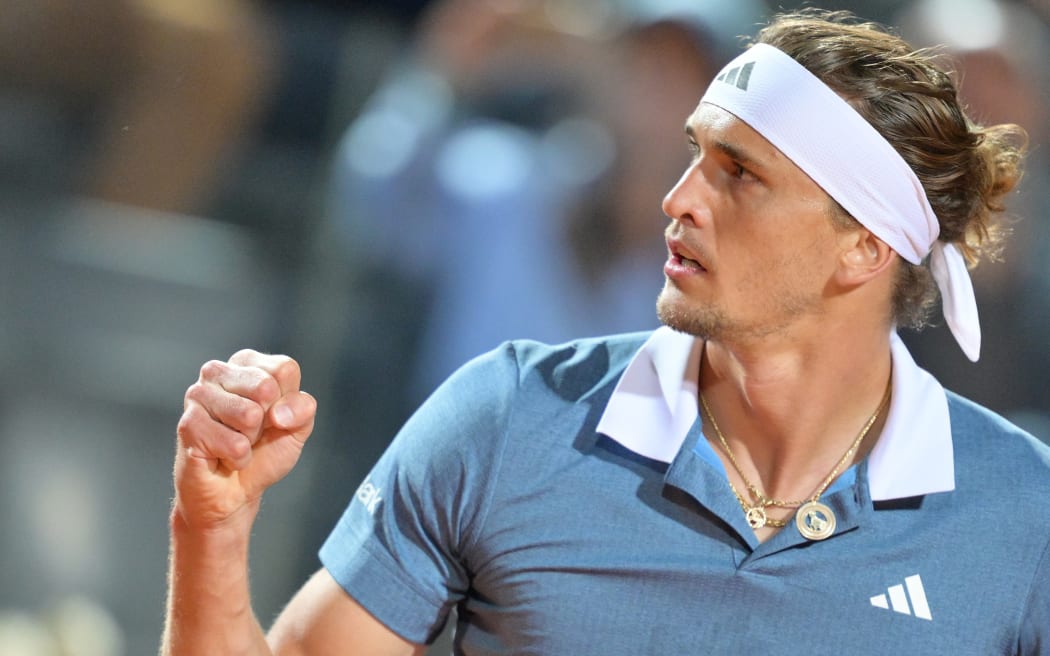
(678, 314)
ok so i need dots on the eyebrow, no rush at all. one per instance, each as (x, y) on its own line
(733, 151)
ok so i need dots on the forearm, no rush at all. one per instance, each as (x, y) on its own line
(209, 603)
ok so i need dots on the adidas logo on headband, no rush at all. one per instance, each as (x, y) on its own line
(738, 75)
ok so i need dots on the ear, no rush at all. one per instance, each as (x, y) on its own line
(863, 257)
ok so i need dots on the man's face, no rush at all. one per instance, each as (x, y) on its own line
(751, 244)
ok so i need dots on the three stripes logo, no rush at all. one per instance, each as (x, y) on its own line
(738, 76)
(907, 599)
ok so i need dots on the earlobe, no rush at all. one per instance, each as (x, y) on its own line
(864, 258)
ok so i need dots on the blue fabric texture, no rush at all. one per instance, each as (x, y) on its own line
(499, 499)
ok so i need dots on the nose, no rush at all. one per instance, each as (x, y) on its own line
(686, 201)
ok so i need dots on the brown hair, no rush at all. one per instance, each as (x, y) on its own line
(911, 99)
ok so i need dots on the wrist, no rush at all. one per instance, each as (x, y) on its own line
(214, 551)
(185, 521)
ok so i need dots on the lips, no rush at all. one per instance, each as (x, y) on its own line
(681, 255)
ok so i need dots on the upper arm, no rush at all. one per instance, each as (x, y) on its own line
(322, 619)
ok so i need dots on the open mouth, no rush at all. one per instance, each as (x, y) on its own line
(689, 262)
(680, 256)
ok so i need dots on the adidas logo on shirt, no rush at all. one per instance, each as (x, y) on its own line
(907, 599)
(738, 76)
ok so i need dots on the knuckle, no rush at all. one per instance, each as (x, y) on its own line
(287, 373)
(184, 425)
(244, 355)
(212, 369)
(190, 421)
(239, 448)
(265, 388)
(196, 391)
(248, 414)
(286, 366)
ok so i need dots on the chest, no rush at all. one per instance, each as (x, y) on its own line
(617, 561)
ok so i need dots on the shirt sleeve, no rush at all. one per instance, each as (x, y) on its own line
(1035, 625)
(399, 548)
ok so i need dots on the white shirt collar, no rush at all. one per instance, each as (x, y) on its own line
(655, 404)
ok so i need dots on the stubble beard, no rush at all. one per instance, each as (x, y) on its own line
(705, 322)
(711, 323)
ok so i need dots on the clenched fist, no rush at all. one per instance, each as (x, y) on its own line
(243, 428)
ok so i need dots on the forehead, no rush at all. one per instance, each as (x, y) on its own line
(712, 123)
(713, 127)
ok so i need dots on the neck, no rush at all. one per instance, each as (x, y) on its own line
(790, 411)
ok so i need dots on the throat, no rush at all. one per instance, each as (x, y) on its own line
(777, 483)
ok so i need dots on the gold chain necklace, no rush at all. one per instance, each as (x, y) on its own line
(818, 522)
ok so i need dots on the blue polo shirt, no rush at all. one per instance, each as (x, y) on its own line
(564, 501)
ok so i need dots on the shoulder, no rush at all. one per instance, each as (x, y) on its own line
(570, 371)
(1006, 471)
(482, 398)
(989, 445)
(523, 402)
(573, 370)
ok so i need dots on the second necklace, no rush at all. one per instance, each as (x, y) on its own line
(814, 520)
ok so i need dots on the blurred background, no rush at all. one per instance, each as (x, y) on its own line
(381, 189)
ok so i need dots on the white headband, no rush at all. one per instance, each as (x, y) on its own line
(833, 144)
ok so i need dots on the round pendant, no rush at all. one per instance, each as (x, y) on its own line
(756, 517)
(815, 521)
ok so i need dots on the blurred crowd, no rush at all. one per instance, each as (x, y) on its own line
(383, 190)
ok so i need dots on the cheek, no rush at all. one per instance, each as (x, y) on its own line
(778, 263)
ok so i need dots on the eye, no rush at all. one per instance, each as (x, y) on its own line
(740, 172)
(694, 150)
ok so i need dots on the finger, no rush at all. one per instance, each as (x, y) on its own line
(282, 446)
(282, 368)
(243, 380)
(235, 410)
(203, 437)
(294, 412)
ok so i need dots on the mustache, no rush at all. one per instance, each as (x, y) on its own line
(679, 243)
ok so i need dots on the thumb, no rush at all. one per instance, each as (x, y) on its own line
(293, 412)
